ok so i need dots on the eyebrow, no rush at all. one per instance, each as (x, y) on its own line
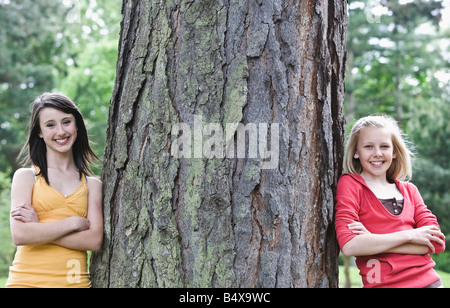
(65, 118)
(372, 142)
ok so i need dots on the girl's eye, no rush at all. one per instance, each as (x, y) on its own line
(368, 146)
(50, 125)
(67, 122)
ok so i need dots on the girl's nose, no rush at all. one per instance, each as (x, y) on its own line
(60, 130)
(377, 151)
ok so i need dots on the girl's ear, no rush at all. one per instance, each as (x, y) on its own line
(356, 156)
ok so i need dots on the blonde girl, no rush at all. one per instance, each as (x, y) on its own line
(56, 205)
(380, 217)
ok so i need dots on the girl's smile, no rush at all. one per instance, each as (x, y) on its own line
(63, 141)
(377, 164)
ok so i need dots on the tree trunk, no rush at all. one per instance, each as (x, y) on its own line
(191, 198)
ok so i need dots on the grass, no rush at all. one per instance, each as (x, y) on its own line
(445, 278)
(355, 279)
(3, 281)
(357, 283)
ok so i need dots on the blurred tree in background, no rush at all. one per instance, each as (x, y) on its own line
(27, 66)
(392, 57)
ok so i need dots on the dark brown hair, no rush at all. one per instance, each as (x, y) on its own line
(83, 155)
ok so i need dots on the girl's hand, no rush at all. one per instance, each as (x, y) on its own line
(79, 223)
(358, 228)
(24, 213)
(425, 235)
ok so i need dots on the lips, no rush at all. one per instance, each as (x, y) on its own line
(62, 141)
(377, 163)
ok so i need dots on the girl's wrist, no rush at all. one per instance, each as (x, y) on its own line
(73, 224)
(406, 236)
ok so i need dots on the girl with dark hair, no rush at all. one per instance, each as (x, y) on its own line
(56, 205)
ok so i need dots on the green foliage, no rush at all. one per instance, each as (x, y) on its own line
(442, 262)
(7, 247)
(390, 60)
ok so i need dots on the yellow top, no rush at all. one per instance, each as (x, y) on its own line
(50, 265)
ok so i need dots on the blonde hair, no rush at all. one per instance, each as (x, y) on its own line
(401, 167)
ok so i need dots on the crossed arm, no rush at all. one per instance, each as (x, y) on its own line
(73, 232)
(417, 241)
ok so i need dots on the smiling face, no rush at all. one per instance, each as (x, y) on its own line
(58, 129)
(375, 152)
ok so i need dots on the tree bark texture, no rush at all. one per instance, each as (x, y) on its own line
(224, 221)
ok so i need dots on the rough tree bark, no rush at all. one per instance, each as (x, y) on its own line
(202, 221)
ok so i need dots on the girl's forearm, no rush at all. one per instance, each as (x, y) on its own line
(84, 240)
(410, 249)
(372, 244)
(35, 233)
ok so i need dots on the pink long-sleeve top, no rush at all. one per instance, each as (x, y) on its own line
(356, 202)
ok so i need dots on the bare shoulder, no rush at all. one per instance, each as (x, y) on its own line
(95, 187)
(94, 183)
(22, 186)
(24, 175)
